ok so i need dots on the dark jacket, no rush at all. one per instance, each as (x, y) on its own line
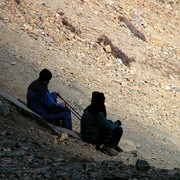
(41, 101)
(92, 125)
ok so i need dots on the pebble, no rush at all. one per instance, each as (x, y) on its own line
(13, 63)
(4, 109)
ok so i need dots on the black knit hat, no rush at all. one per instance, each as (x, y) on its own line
(45, 75)
(97, 97)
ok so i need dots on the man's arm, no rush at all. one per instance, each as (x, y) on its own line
(104, 123)
(50, 104)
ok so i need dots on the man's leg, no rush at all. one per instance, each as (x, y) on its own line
(104, 145)
(62, 119)
(67, 120)
(115, 137)
(102, 139)
(56, 122)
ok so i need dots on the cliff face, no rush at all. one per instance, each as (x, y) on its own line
(129, 50)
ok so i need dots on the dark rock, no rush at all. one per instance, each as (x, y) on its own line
(4, 109)
(142, 165)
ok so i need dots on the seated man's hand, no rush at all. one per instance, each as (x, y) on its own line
(64, 104)
(118, 122)
(57, 94)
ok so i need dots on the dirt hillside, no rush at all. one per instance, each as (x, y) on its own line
(130, 50)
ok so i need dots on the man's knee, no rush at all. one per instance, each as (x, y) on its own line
(118, 131)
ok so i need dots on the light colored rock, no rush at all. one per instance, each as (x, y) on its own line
(108, 48)
(127, 146)
(62, 136)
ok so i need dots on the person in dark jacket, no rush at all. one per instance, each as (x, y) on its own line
(44, 103)
(97, 129)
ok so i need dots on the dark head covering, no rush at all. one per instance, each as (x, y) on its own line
(97, 103)
(97, 98)
(45, 75)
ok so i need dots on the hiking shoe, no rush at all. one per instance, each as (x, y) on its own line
(109, 151)
(118, 149)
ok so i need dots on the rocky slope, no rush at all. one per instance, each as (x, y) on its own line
(129, 50)
(31, 149)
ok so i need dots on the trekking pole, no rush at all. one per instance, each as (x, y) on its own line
(74, 111)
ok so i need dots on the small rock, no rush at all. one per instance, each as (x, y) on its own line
(48, 39)
(1, 16)
(13, 63)
(108, 49)
(142, 165)
(6, 149)
(128, 146)
(4, 109)
(62, 136)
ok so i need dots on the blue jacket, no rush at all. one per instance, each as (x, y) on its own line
(42, 102)
(92, 126)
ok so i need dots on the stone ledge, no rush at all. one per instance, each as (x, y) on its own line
(26, 111)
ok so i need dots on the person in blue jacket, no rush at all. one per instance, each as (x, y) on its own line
(97, 129)
(44, 103)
